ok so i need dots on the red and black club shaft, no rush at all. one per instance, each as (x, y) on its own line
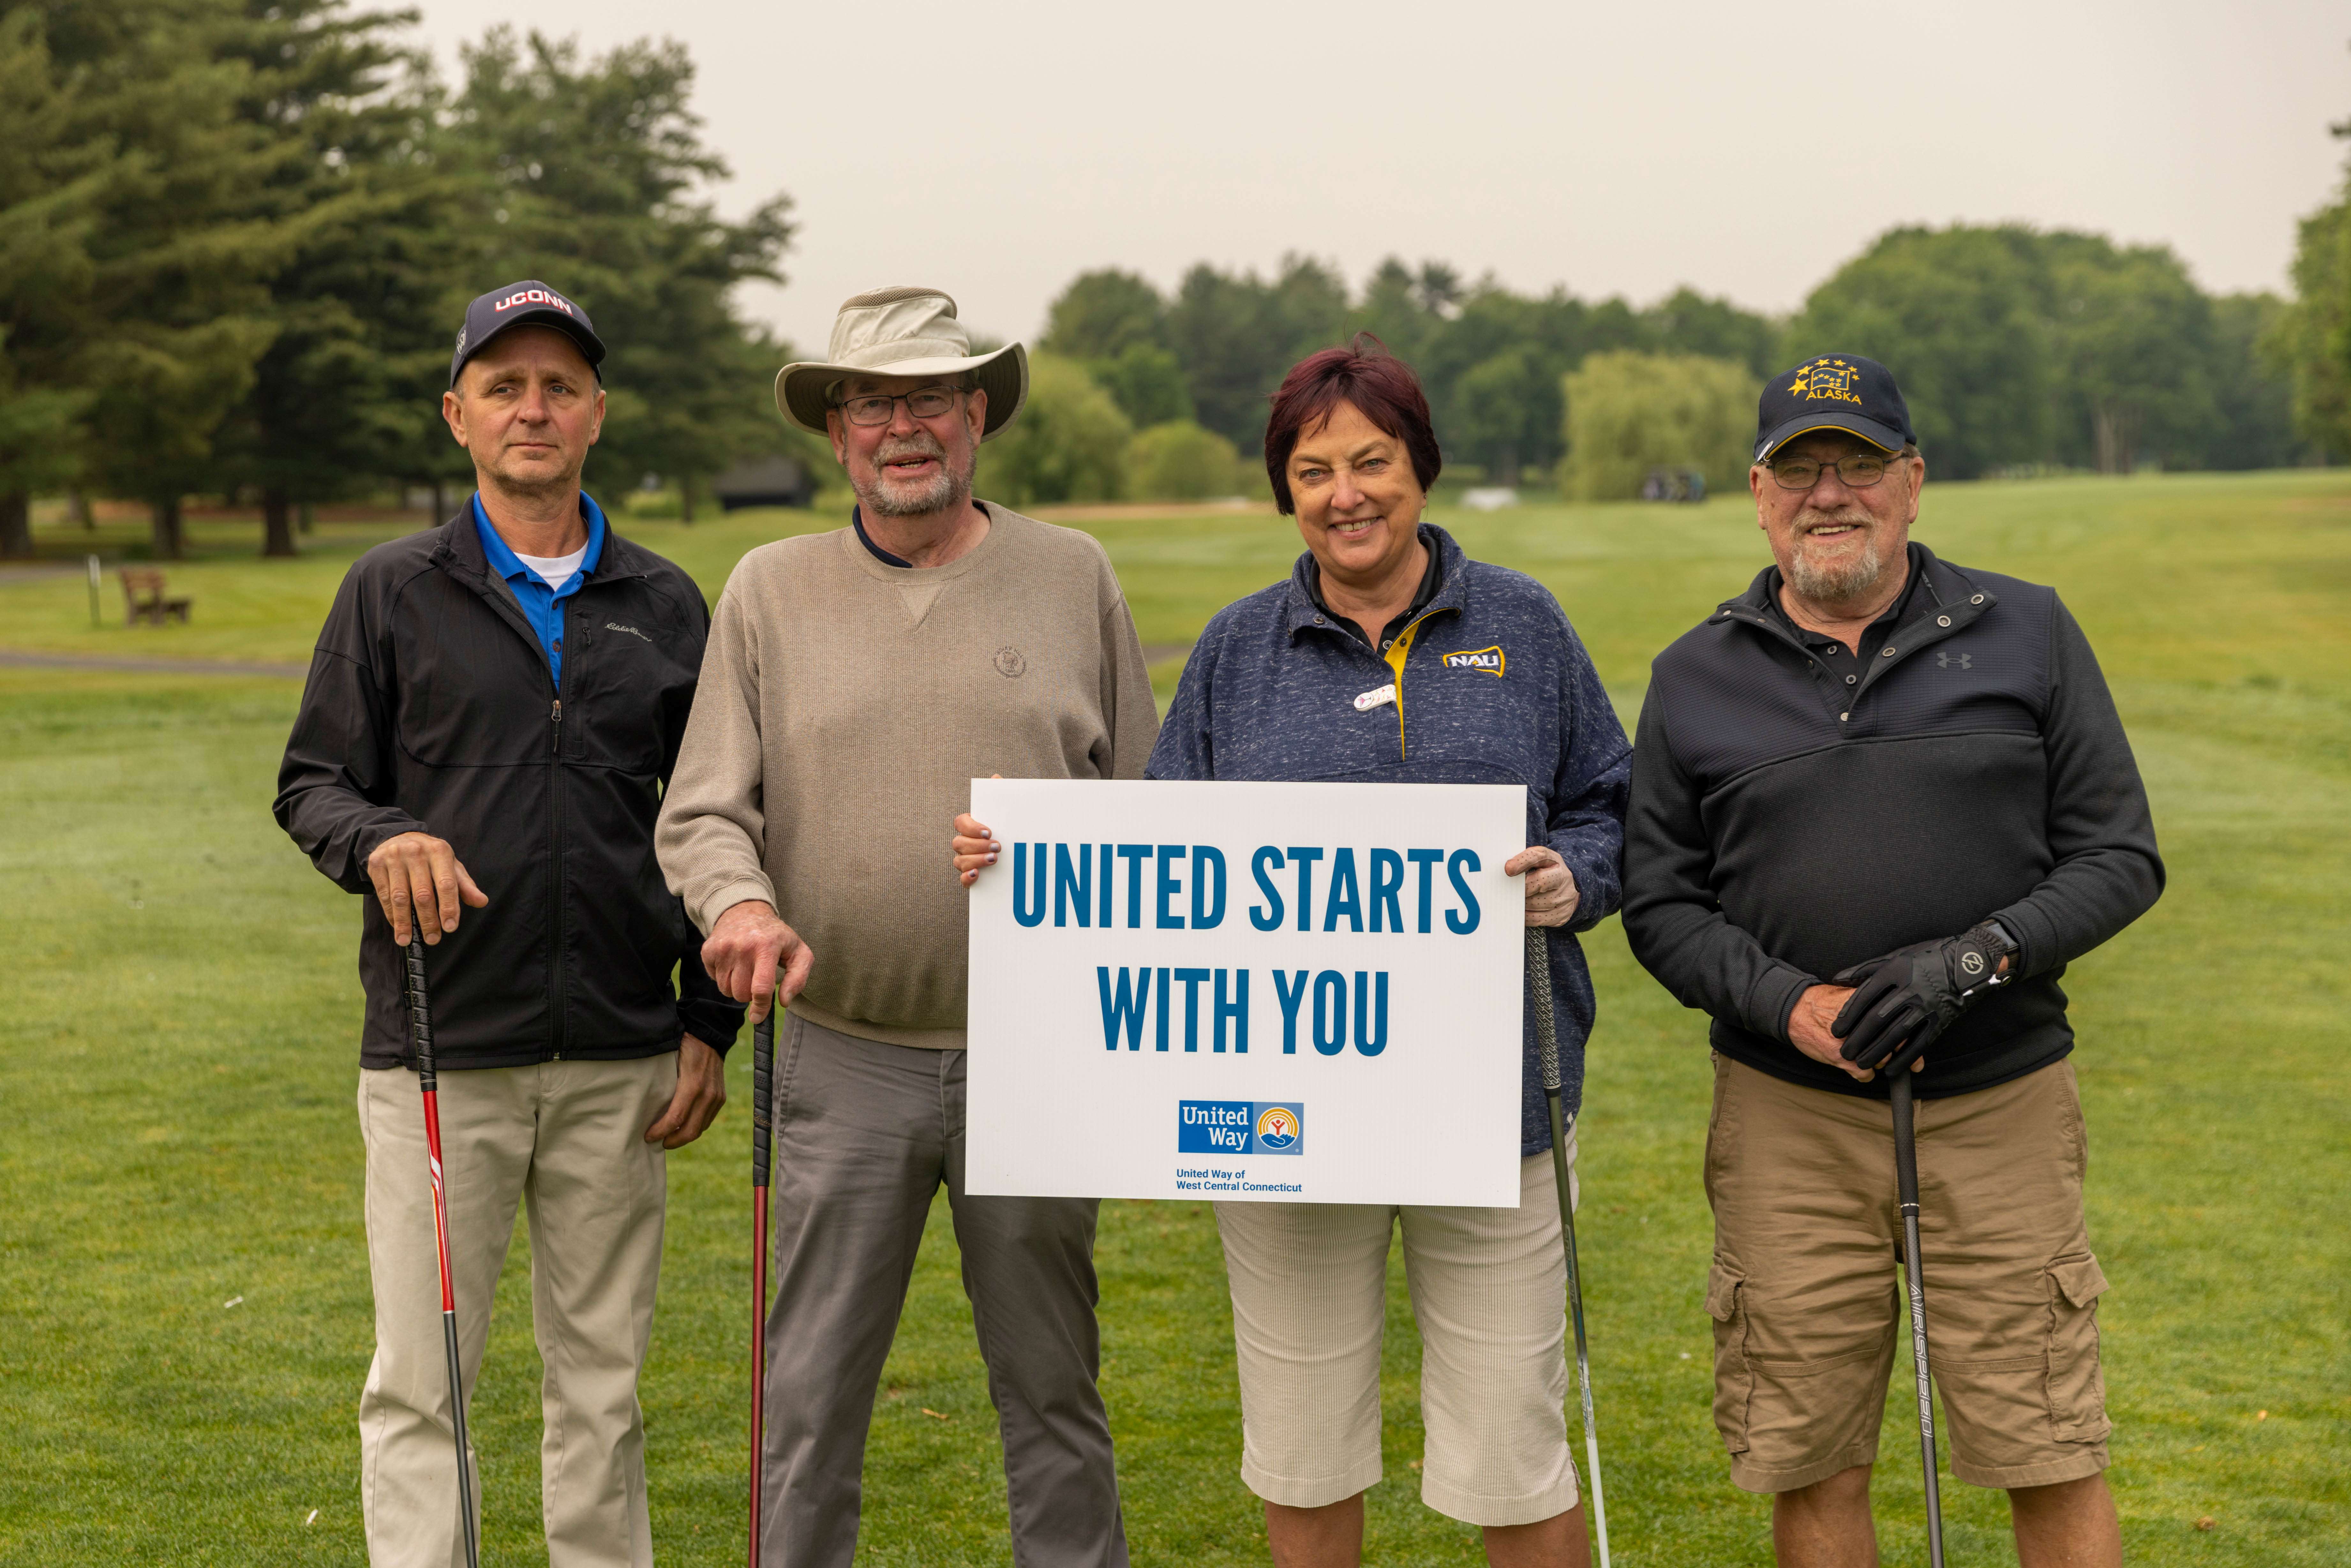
(763, 1072)
(1906, 1178)
(420, 1026)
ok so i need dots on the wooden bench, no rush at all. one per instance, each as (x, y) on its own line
(143, 598)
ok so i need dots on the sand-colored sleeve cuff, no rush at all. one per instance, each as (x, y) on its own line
(706, 913)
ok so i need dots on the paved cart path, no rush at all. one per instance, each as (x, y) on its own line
(22, 659)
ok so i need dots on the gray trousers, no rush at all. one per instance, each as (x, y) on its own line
(864, 1134)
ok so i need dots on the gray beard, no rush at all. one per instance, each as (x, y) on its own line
(1834, 585)
(949, 490)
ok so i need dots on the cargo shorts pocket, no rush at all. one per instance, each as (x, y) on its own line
(2076, 1388)
(1734, 1378)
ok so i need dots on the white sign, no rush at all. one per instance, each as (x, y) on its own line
(1281, 992)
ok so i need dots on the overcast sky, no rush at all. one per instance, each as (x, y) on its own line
(996, 148)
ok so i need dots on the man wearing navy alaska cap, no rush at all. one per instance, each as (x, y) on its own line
(1859, 788)
(493, 710)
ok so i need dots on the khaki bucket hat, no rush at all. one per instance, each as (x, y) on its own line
(903, 331)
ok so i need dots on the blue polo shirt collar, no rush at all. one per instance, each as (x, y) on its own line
(504, 562)
(542, 606)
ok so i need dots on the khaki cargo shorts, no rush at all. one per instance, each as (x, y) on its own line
(1806, 1279)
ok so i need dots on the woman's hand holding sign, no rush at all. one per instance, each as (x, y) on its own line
(1552, 894)
(975, 848)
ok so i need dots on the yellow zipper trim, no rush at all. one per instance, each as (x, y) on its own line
(1395, 657)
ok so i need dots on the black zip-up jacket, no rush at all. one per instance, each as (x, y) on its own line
(430, 707)
(1793, 815)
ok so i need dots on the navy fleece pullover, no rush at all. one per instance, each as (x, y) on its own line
(1492, 687)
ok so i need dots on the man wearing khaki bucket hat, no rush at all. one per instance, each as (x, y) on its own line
(856, 682)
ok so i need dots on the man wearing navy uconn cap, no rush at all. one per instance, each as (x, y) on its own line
(493, 710)
(1879, 802)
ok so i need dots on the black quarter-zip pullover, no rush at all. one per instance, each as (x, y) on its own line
(430, 707)
(1792, 816)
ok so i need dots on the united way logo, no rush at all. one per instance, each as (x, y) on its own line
(1240, 1127)
(1277, 1129)
(1826, 377)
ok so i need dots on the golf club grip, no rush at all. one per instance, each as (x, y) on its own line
(1906, 1147)
(1546, 1020)
(420, 1012)
(763, 1083)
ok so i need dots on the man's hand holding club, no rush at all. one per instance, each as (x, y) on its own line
(1892, 1007)
(747, 945)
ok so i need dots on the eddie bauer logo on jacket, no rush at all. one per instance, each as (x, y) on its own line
(1487, 659)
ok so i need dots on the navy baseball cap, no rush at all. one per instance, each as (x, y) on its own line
(1834, 391)
(529, 303)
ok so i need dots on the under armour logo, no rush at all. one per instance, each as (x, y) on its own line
(1966, 661)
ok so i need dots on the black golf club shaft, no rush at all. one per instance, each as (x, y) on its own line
(420, 1024)
(1547, 1057)
(763, 1075)
(1905, 1176)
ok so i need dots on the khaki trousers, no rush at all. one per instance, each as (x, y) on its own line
(569, 1137)
(1489, 1292)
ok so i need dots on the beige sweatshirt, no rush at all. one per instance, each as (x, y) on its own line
(844, 709)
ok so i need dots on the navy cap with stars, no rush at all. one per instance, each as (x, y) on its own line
(1834, 391)
(529, 303)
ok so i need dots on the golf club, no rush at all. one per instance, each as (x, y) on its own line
(420, 1026)
(1905, 1176)
(1547, 1054)
(763, 1069)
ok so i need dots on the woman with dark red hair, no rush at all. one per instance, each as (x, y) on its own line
(1391, 656)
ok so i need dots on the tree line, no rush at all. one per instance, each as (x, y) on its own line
(2312, 337)
(2017, 349)
(237, 237)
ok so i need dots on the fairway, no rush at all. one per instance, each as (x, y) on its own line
(184, 1310)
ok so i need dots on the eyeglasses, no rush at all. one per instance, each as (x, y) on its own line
(922, 402)
(1858, 470)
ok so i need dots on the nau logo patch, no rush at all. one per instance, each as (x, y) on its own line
(1487, 659)
(1826, 377)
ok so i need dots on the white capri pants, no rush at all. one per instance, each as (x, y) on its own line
(1488, 1292)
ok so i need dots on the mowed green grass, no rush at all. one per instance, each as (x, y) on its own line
(178, 1002)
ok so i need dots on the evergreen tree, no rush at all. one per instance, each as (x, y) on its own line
(47, 186)
(148, 317)
(362, 303)
(590, 176)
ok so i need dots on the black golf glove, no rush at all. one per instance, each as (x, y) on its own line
(1907, 999)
